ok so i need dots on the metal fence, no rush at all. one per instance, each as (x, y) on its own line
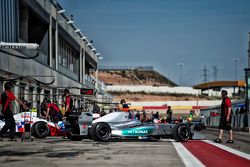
(238, 121)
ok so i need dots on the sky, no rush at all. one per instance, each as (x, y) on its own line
(177, 37)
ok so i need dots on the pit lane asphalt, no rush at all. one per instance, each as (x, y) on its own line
(55, 151)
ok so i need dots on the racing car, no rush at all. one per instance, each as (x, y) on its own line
(120, 125)
(39, 127)
(75, 128)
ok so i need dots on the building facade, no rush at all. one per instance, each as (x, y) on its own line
(65, 58)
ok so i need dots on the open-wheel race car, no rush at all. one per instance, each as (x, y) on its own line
(119, 125)
(76, 127)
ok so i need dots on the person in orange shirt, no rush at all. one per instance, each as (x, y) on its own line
(124, 106)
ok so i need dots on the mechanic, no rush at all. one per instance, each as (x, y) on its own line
(169, 114)
(137, 115)
(156, 116)
(68, 109)
(55, 113)
(44, 107)
(96, 108)
(103, 113)
(226, 118)
(6, 99)
(26, 103)
(144, 116)
(68, 103)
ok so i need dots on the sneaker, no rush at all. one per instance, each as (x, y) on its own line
(230, 141)
(218, 140)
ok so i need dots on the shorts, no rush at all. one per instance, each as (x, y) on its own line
(56, 117)
(224, 124)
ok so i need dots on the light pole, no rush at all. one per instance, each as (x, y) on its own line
(235, 68)
(180, 65)
(97, 71)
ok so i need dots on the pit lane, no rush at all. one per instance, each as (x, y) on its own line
(55, 151)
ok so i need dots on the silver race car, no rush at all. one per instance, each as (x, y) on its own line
(120, 125)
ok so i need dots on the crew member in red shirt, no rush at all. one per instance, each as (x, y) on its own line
(68, 102)
(68, 109)
(6, 99)
(55, 113)
(226, 118)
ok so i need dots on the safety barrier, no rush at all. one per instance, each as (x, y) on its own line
(238, 121)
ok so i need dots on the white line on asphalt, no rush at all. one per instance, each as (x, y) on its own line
(231, 150)
(187, 157)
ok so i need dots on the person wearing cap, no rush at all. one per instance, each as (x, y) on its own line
(225, 119)
(6, 99)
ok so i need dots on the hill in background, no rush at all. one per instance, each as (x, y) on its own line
(140, 76)
(134, 76)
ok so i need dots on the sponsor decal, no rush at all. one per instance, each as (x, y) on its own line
(137, 131)
(141, 131)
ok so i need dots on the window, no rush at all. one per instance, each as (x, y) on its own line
(68, 57)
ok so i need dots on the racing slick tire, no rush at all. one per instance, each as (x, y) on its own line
(100, 131)
(181, 132)
(40, 130)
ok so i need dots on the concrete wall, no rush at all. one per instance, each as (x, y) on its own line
(152, 89)
(163, 89)
(178, 103)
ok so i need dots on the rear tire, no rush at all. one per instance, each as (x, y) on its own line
(40, 129)
(181, 132)
(100, 131)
